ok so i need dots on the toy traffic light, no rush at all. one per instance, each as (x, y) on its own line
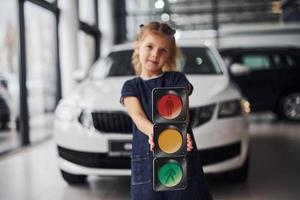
(169, 109)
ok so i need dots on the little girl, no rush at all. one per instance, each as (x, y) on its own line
(154, 60)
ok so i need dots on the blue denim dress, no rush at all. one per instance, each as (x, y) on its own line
(142, 157)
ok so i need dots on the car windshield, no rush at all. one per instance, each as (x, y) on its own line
(194, 60)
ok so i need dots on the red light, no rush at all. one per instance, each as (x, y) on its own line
(169, 106)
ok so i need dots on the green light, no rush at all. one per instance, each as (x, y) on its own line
(170, 174)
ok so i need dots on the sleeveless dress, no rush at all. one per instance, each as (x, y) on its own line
(142, 157)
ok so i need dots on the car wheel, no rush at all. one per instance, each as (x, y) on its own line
(73, 179)
(240, 174)
(4, 125)
(290, 106)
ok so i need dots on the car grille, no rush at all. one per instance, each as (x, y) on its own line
(120, 122)
(112, 122)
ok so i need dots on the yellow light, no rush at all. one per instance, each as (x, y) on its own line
(170, 140)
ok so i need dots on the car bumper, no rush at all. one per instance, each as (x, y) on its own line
(83, 151)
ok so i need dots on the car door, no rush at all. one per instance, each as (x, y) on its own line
(260, 84)
(287, 66)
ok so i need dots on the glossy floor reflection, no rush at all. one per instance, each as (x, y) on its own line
(40, 129)
(32, 174)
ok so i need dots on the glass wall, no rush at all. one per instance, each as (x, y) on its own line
(88, 36)
(206, 15)
(139, 12)
(9, 78)
(41, 57)
(86, 51)
(86, 10)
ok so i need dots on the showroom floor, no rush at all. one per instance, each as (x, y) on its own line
(32, 173)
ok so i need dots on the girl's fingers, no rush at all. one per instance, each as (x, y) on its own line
(189, 142)
(150, 141)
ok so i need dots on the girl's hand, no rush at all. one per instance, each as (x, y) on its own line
(150, 141)
(189, 142)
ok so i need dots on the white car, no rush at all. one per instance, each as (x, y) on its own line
(93, 130)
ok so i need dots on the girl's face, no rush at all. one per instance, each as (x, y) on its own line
(154, 52)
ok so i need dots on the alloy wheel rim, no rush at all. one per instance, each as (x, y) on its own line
(291, 106)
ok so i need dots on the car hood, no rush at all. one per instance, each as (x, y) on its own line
(105, 94)
(210, 89)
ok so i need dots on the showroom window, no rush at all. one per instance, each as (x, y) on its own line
(87, 12)
(29, 71)
(199, 15)
(88, 35)
(9, 77)
(86, 50)
(41, 61)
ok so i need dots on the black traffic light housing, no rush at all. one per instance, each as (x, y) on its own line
(169, 112)
(169, 105)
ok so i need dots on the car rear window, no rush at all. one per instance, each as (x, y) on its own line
(193, 61)
(256, 61)
(263, 59)
(295, 56)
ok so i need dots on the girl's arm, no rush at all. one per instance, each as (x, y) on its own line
(139, 117)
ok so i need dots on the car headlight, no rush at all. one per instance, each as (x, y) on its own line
(66, 112)
(200, 115)
(86, 119)
(230, 108)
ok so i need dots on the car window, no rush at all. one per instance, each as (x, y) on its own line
(282, 60)
(256, 61)
(290, 61)
(121, 63)
(193, 61)
(295, 57)
(199, 61)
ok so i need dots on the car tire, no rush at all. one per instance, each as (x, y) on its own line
(240, 174)
(290, 106)
(4, 125)
(73, 179)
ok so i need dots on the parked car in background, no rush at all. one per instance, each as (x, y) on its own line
(273, 79)
(264, 61)
(4, 103)
(93, 131)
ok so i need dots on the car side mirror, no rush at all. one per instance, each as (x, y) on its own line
(239, 69)
(79, 75)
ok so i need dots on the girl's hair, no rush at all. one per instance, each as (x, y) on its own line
(162, 29)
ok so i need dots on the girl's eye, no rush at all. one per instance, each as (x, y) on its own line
(163, 50)
(149, 46)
